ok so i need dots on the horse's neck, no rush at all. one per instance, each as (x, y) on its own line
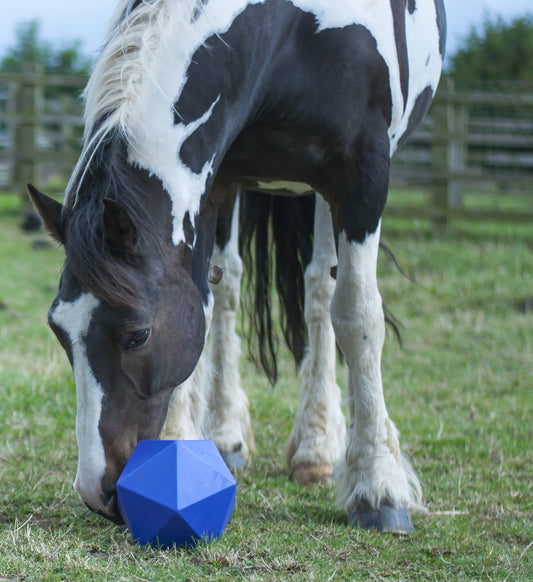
(184, 143)
(185, 109)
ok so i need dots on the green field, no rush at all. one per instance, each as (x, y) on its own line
(460, 391)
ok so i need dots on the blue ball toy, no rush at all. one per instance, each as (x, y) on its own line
(175, 492)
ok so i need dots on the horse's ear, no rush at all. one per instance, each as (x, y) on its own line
(119, 229)
(50, 212)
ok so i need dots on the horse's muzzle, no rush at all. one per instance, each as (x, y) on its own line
(109, 511)
(103, 503)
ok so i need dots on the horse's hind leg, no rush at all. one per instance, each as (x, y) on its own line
(229, 419)
(317, 440)
(375, 484)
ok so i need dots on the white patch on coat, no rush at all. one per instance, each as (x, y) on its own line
(373, 468)
(297, 188)
(425, 60)
(158, 150)
(74, 318)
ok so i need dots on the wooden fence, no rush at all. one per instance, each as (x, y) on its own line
(40, 128)
(472, 141)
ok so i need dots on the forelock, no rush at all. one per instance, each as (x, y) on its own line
(109, 275)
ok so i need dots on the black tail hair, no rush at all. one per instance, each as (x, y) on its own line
(276, 244)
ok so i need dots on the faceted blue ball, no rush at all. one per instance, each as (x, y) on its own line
(175, 492)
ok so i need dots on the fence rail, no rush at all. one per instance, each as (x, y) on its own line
(471, 141)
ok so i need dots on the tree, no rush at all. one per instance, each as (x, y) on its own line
(499, 52)
(31, 48)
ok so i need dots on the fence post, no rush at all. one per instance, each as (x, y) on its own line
(457, 130)
(27, 105)
(448, 152)
(440, 162)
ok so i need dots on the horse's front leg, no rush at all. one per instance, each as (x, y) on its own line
(375, 484)
(317, 440)
(229, 418)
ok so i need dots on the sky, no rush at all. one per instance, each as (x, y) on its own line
(69, 20)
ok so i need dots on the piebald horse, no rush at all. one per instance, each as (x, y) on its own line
(192, 102)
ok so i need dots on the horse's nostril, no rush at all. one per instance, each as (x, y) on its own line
(110, 507)
(107, 496)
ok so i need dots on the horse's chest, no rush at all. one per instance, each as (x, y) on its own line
(276, 160)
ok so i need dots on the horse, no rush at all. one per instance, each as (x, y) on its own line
(200, 114)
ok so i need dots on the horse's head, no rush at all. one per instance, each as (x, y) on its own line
(131, 321)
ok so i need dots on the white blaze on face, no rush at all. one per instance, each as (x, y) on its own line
(74, 319)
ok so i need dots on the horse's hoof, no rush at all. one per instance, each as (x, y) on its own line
(235, 461)
(307, 474)
(385, 518)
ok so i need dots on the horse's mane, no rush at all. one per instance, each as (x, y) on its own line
(138, 33)
(139, 30)
(98, 267)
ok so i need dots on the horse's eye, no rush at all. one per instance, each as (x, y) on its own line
(135, 339)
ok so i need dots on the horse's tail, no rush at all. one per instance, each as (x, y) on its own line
(276, 243)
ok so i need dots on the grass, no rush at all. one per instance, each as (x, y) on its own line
(459, 391)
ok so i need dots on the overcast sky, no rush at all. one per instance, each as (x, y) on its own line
(67, 20)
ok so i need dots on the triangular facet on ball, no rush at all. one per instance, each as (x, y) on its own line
(176, 492)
